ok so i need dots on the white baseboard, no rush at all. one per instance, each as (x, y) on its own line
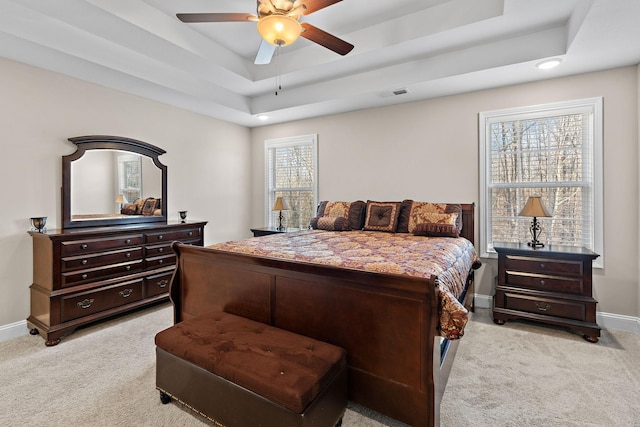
(605, 320)
(13, 330)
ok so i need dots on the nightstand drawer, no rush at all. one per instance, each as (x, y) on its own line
(547, 307)
(544, 265)
(565, 285)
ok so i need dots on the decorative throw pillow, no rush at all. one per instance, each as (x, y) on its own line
(129, 209)
(403, 217)
(149, 206)
(139, 204)
(339, 223)
(381, 216)
(413, 213)
(436, 230)
(352, 212)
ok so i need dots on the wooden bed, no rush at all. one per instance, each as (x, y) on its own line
(387, 322)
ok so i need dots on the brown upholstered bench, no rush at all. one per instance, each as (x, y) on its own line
(238, 372)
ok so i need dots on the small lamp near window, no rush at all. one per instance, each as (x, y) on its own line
(120, 200)
(534, 208)
(280, 206)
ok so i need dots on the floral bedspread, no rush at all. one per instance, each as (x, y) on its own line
(450, 259)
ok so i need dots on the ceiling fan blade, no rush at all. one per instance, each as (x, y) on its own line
(325, 39)
(314, 5)
(265, 53)
(216, 17)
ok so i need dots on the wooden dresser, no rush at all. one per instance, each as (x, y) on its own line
(550, 284)
(82, 275)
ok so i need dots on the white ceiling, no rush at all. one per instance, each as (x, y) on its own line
(430, 47)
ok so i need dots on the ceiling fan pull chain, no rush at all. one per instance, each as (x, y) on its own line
(278, 77)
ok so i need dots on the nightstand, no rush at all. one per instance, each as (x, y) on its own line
(552, 284)
(265, 231)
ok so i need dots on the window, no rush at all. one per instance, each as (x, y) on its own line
(129, 177)
(292, 173)
(552, 150)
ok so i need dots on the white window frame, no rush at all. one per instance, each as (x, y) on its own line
(593, 106)
(301, 140)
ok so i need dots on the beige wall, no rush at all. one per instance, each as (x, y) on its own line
(207, 160)
(428, 150)
(216, 169)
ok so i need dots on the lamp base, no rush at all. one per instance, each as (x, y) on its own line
(535, 244)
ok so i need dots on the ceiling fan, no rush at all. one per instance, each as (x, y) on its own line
(279, 25)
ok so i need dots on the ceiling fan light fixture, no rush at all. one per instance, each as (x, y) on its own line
(279, 30)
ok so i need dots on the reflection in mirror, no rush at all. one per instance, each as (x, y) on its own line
(103, 182)
(111, 180)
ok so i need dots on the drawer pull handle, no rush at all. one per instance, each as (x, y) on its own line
(128, 267)
(125, 292)
(127, 255)
(163, 283)
(85, 303)
(160, 237)
(84, 246)
(160, 261)
(161, 250)
(542, 265)
(127, 241)
(84, 276)
(543, 306)
(542, 282)
(191, 233)
(84, 262)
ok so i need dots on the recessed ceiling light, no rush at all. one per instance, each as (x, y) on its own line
(547, 64)
(262, 117)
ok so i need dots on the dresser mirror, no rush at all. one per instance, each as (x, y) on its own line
(111, 180)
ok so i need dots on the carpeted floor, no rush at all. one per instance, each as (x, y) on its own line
(518, 374)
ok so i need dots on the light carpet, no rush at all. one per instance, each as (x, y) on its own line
(518, 374)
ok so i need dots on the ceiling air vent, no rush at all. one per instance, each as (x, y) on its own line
(395, 92)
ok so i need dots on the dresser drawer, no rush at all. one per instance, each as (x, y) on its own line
(566, 285)
(544, 265)
(161, 261)
(91, 275)
(159, 250)
(103, 258)
(86, 303)
(545, 306)
(174, 235)
(77, 247)
(157, 284)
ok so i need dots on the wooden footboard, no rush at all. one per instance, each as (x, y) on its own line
(386, 323)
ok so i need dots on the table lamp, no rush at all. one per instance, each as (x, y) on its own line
(534, 208)
(279, 206)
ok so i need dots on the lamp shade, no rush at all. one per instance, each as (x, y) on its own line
(279, 30)
(534, 207)
(120, 198)
(279, 205)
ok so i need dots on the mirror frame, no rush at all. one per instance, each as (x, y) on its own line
(108, 142)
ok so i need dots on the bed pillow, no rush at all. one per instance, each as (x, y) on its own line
(438, 225)
(149, 206)
(129, 209)
(328, 214)
(381, 216)
(410, 212)
(403, 217)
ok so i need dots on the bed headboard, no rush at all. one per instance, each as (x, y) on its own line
(468, 221)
